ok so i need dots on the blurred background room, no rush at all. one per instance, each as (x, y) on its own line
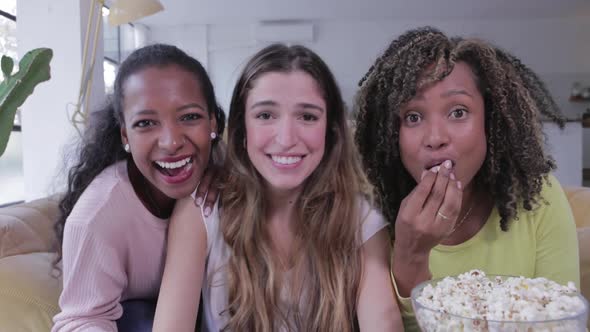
(552, 37)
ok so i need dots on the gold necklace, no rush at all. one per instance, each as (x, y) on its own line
(457, 225)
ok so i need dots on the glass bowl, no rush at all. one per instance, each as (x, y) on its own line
(441, 319)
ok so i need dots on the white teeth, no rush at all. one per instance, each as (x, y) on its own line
(176, 164)
(286, 160)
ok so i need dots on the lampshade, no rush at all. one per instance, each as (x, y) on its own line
(125, 11)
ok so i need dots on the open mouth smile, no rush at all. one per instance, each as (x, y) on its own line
(177, 171)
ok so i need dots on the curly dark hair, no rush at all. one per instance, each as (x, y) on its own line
(101, 144)
(515, 100)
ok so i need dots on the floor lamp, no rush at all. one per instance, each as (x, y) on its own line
(120, 12)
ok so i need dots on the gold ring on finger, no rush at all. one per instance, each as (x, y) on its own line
(442, 215)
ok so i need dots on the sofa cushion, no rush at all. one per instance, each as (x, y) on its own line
(579, 199)
(28, 227)
(29, 292)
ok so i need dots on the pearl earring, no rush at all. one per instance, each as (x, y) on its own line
(126, 148)
(213, 135)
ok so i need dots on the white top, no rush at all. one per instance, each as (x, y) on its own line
(113, 250)
(214, 288)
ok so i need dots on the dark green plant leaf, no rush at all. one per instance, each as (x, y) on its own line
(14, 90)
(7, 66)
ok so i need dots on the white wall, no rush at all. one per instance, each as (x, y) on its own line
(191, 38)
(557, 49)
(551, 47)
(567, 155)
(560, 85)
(45, 126)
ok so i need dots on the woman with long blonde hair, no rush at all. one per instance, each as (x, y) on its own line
(293, 244)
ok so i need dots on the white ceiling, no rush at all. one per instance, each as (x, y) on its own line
(180, 12)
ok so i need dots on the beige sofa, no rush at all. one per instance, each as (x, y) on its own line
(29, 288)
(29, 291)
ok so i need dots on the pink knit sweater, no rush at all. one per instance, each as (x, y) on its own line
(113, 250)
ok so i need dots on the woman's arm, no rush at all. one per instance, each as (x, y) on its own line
(557, 242)
(93, 279)
(426, 216)
(377, 308)
(178, 302)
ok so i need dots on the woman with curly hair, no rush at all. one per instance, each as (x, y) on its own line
(294, 244)
(450, 134)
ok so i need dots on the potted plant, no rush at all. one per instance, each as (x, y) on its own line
(15, 88)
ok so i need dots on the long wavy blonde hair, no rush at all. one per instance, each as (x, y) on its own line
(327, 259)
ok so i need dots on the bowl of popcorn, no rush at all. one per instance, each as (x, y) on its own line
(474, 301)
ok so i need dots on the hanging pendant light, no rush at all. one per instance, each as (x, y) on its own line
(125, 11)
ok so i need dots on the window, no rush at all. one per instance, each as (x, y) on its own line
(112, 54)
(119, 42)
(11, 162)
(110, 72)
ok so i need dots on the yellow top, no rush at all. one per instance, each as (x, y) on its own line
(539, 243)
